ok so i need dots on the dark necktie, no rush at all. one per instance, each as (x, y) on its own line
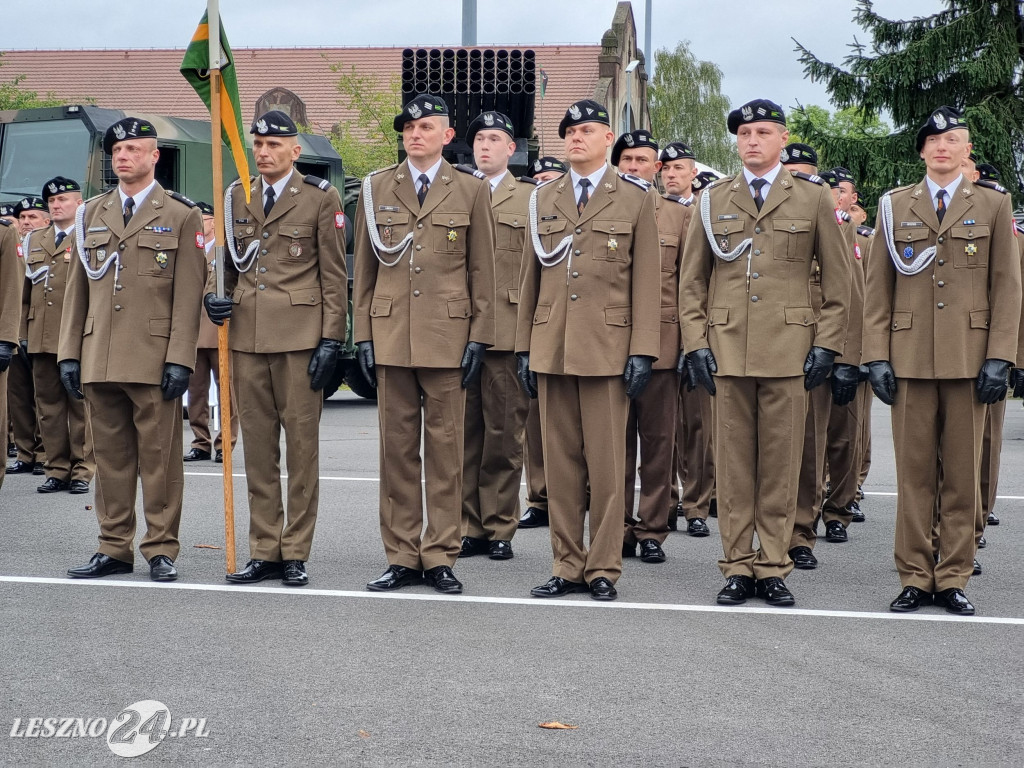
(424, 186)
(129, 209)
(270, 201)
(60, 237)
(584, 195)
(757, 184)
(940, 204)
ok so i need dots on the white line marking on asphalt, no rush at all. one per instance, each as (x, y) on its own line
(535, 602)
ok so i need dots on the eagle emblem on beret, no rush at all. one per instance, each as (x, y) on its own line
(939, 120)
(785, 156)
(262, 127)
(628, 138)
(53, 188)
(488, 118)
(574, 112)
(415, 112)
(747, 112)
(119, 132)
(671, 152)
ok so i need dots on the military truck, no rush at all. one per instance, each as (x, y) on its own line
(38, 144)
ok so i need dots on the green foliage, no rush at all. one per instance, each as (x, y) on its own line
(12, 96)
(687, 104)
(368, 142)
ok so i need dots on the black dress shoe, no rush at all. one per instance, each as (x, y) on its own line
(219, 456)
(835, 532)
(162, 569)
(471, 546)
(954, 601)
(602, 589)
(12, 451)
(977, 568)
(991, 519)
(697, 528)
(774, 591)
(196, 455)
(803, 558)
(100, 565)
(854, 509)
(982, 543)
(294, 574)
(255, 570)
(557, 586)
(534, 518)
(78, 486)
(38, 468)
(713, 508)
(52, 485)
(20, 467)
(651, 551)
(395, 577)
(909, 600)
(629, 550)
(736, 590)
(442, 580)
(500, 550)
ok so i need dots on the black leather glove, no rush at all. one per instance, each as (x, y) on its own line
(23, 353)
(637, 374)
(845, 379)
(992, 381)
(527, 378)
(364, 353)
(817, 365)
(218, 308)
(323, 362)
(1017, 381)
(701, 369)
(175, 381)
(71, 377)
(6, 353)
(865, 373)
(472, 360)
(883, 380)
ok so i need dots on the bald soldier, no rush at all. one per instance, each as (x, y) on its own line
(128, 336)
(752, 340)
(587, 338)
(424, 314)
(940, 334)
(11, 279)
(286, 292)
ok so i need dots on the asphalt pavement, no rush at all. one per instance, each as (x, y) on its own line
(334, 675)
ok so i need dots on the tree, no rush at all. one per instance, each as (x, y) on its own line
(12, 96)
(968, 56)
(687, 104)
(369, 141)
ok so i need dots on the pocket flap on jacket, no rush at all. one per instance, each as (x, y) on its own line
(305, 297)
(158, 241)
(288, 229)
(513, 295)
(799, 316)
(718, 316)
(516, 220)
(902, 320)
(550, 227)
(542, 313)
(621, 316)
(669, 315)
(460, 308)
(87, 326)
(97, 239)
(160, 326)
(449, 219)
(380, 306)
(980, 318)
(792, 225)
(613, 227)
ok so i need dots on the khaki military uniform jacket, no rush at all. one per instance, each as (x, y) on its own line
(587, 314)
(44, 300)
(11, 278)
(510, 201)
(962, 309)
(125, 326)
(422, 311)
(673, 222)
(765, 327)
(296, 291)
(207, 330)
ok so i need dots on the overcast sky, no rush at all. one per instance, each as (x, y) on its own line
(750, 40)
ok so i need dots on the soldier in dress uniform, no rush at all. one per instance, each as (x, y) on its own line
(547, 168)
(49, 257)
(128, 335)
(587, 337)
(286, 292)
(941, 326)
(424, 314)
(746, 316)
(11, 279)
(496, 407)
(7, 214)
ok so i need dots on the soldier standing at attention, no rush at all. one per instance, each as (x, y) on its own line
(286, 292)
(424, 314)
(11, 279)
(587, 337)
(941, 324)
(744, 303)
(128, 334)
(496, 407)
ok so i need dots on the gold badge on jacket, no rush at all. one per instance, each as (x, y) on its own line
(161, 259)
(970, 249)
(294, 250)
(613, 244)
(452, 235)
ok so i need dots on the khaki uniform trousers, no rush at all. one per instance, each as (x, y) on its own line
(694, 456)
(199, 402)
(938, 427)
(496, 409)
(274, 393)
(583, 419)
(21, 406)
(651, 422)
(759, 438)
(137, 435)
(3, 420)
(811, 491)
(843, 457)
(536, 485)
(67, 436)
(866, 398)
(415, 404)
(991, 455)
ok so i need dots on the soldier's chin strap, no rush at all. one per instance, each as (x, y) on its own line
(560, 251)
(38, 275)
(83, 255)
(920, 262)
(245, 262)
(371, 229)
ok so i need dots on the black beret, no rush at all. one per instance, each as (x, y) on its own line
(58, 185)
(128, 128)
(586, 111)
(941, 120)
(843, 174)
(547, 163)
(7, 209)
(422, 105)
(204, 208)
(632, 140)
(30, 204)
(829, 177)
(703, 179)
(799, 153)
(973, 157)
(274, 123)
(489, 121)
(987, 172)
(676, 150)
(756, 111)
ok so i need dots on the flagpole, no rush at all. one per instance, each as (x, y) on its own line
(223, 355)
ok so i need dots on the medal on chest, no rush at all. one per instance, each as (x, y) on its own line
(295, 249)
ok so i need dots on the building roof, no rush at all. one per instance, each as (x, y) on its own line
(148, 80)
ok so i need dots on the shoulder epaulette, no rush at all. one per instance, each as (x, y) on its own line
(678, 199)
(323, 184)
(644, 185)
(529, 180)
(385, 168)
(843, 215)
(101, 194)
(5, 222)
(901, 189)
(471, 171)
(808, 177)
(180, 198)
(719, 182)
(992, 185)
(865, 231)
